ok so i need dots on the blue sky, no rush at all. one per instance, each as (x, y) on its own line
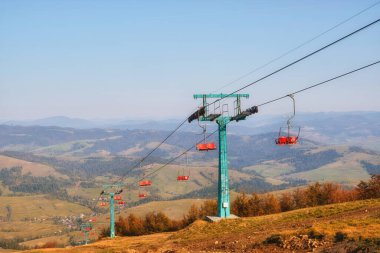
(145, 59)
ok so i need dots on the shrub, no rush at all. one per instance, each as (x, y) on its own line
(49, 244)
(274, 239)
(340, 236)
(313, 234)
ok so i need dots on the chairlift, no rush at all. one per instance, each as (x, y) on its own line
(103, 204)
(117, 197)
(145, 183)
(205, 146)
(142, 195)
(184, 177)
(289, 138)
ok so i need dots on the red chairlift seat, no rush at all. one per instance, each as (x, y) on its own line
(117, 197)
(121, 203)
(287, 140)
(282, 140)
(143, 195)
(206, 146)
(183, 178)
(211, 146)
(291, 140)
(145, 183)
(103, 204)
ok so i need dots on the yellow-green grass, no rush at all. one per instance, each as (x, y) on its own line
(270, 168)
(347, 170)
(274, 181)
(7, 250)
(87, 193)
(4, 189)
(39, 206)
(328, 219)
(165, 182)
(340, 172)
(174, 209)
(370, 143)
(59, 239)
(36, 169)
(23, 229)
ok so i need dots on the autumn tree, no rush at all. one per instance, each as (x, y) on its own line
(271, 204)
(122, 226)
(192, 215)
(370, 189)
(157, 222)
(286, 202)
(136, 225)
(299, 198)
(255, 205)
(209, 207)
(240, 206)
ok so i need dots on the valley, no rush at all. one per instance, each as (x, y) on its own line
(50, 181)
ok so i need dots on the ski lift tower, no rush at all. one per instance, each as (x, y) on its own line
(111, 190)
(221, 117)
(86, 228)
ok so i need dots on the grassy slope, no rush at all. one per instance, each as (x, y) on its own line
(37, 169)
(165, 182)
(38, 209)
(60, 239)
(359, 218)
(27, 230)
(39, 206)
(349, 166)
(175, 209)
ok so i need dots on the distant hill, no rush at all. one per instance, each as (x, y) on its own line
(328, 150)
(59, 121)
(92, 157)
(363, 123)
(354, 128)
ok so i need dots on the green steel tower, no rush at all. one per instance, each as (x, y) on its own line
(220, 115)
(86, 228)
(111, 190)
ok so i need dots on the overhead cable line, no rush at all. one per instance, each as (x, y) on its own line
(298, 60)
(161, 167)
(271, 101)
(262, 78)
(178, 156)
(297, 47)
(255, 82)
(318, 84)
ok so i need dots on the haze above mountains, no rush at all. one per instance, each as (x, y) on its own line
(255, 121)
(332, 127)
